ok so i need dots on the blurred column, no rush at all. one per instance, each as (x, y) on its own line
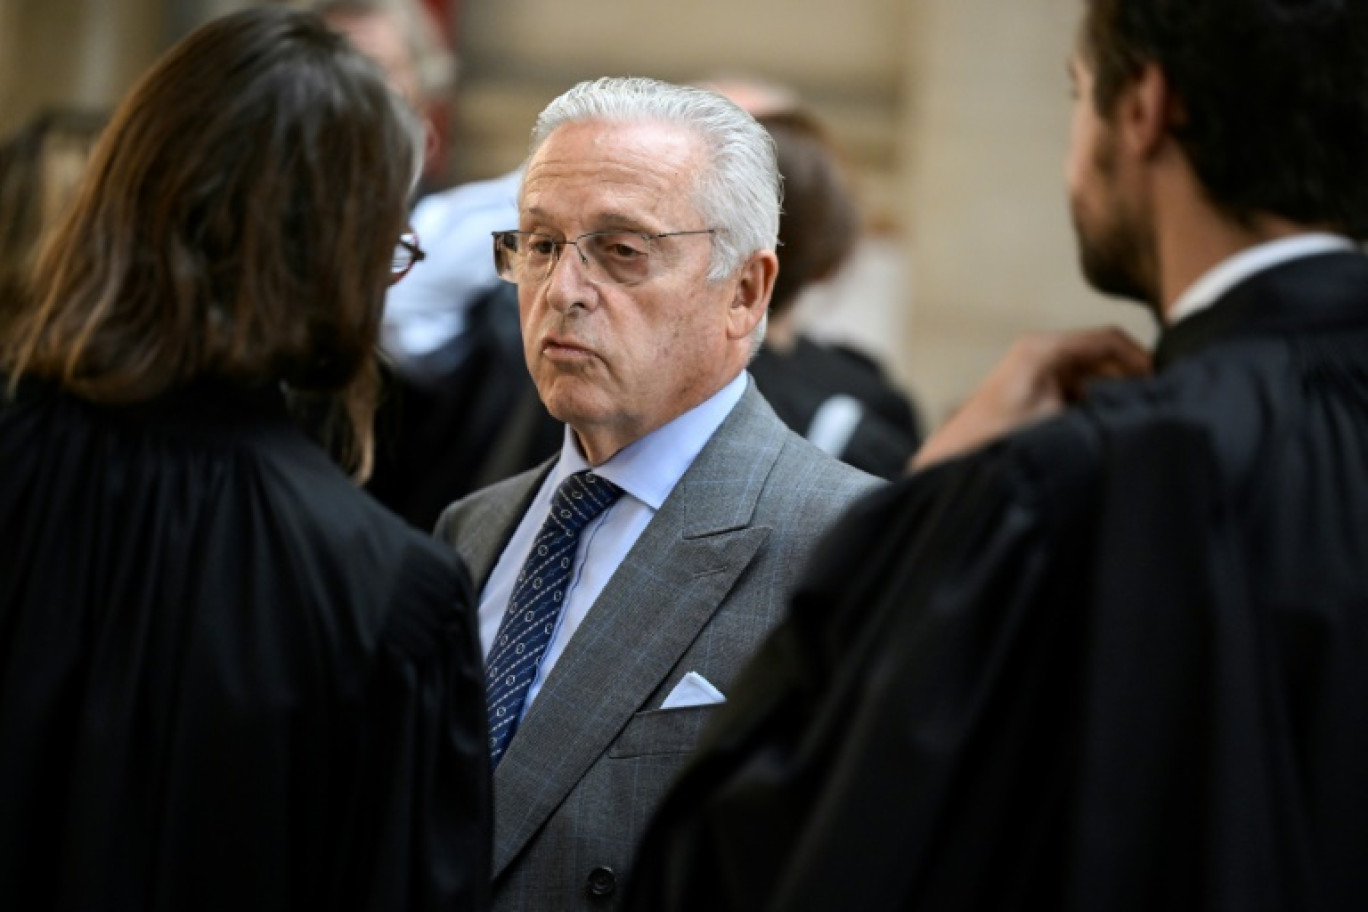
(985, 129)
(86, 53)
(181, 17)
(9, 50)
(74, 53)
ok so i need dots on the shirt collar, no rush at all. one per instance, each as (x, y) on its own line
(649, 468)
(1225, 275)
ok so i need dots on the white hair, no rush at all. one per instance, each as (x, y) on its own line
(738, 195)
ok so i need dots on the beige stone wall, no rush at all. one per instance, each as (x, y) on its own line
(76, 53)
(86, 53)
(984, 133)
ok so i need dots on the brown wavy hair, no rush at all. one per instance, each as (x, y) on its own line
(236, 223)
(820, 223)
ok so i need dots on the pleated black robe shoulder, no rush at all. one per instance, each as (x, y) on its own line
(228, 678)
(1116, 662)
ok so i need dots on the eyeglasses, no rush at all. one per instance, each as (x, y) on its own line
(608, 257)
(406, 253)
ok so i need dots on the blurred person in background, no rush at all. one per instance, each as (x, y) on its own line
(407, 41)
(228, 679)
(755, 95)
(835, 396)
(40, 166)
(1118, 659)
(459, 410)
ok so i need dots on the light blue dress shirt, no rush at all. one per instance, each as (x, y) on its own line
(428, 308)
(646, 471)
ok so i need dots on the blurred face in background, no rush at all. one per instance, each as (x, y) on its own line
(380, 36)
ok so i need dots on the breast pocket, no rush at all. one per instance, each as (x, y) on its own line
(661, 731)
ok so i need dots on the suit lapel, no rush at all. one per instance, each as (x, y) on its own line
(653, 608)
(490, 519)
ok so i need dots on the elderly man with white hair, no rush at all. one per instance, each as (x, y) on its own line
(624, 582)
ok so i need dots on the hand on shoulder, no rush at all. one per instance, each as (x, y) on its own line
(1040, 376)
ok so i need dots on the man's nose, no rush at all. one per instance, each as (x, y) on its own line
(569, 285)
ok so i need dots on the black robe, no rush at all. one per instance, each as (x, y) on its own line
(1118, 661)
(228, 678)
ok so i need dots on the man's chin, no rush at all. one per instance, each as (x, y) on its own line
(1113, 280)
(572, 402)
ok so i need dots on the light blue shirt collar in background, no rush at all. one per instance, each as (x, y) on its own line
(428, 308)
(1216, 281)
(647, 471)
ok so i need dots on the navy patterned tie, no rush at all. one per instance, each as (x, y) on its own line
(537, 598)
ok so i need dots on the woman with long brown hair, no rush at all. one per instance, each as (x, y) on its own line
(228, 679)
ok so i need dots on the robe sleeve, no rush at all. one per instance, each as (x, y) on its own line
(419, 832)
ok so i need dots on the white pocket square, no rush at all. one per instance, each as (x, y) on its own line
(693, 690)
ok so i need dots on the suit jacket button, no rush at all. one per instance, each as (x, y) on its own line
(602, 882)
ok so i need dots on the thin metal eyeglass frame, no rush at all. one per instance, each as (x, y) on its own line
(584, 259)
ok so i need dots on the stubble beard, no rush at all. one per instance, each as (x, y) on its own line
(1116, 249)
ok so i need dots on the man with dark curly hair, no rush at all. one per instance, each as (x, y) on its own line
(1118, 658)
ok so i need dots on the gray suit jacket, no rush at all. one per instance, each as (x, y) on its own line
(708, 578)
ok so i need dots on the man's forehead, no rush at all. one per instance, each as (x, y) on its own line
(630, 143)
(616, 172)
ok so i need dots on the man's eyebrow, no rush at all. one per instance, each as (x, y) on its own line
(603, 221)
(619, 220)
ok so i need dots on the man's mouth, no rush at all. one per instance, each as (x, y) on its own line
(560, 347)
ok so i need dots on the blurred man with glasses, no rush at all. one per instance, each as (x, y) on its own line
(459, 411)
(644, 260)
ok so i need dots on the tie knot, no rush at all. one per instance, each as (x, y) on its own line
(580, 498)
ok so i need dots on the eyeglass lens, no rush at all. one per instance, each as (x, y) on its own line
(406, 253)
(617, 258)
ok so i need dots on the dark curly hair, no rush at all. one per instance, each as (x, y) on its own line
(1275, 95)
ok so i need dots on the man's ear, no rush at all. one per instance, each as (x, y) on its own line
(754, 284)
(1149, 110)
